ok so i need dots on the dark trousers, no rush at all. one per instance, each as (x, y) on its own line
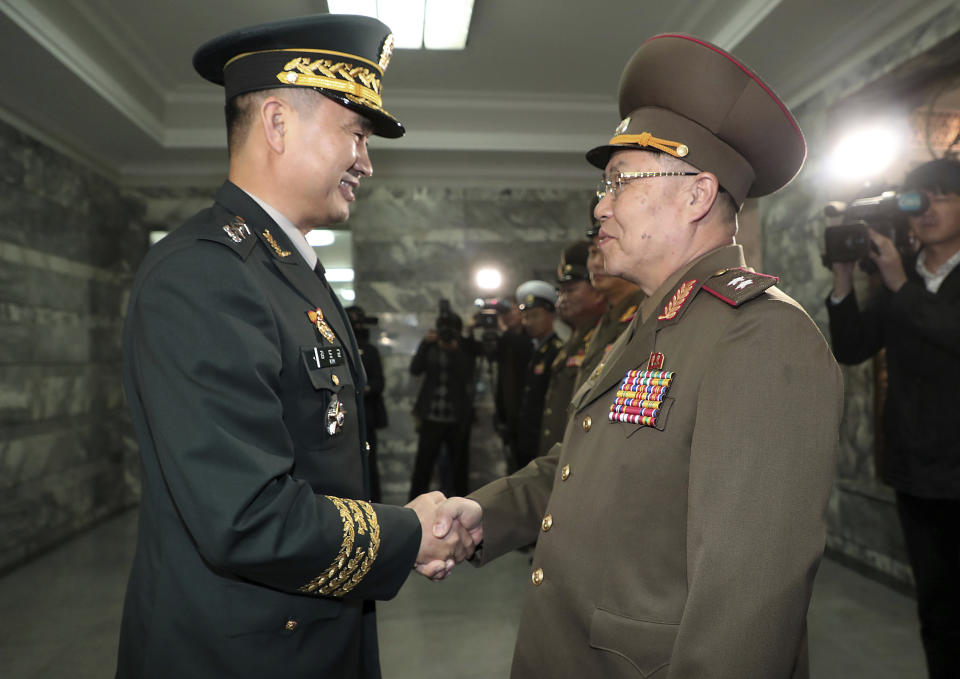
(931, 529)
(454, 436)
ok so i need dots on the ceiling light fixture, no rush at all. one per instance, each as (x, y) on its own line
(416, 24)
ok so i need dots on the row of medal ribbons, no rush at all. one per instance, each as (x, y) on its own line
(640, 396)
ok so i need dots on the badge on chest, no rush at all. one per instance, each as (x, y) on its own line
(640, 396)
(319, 358)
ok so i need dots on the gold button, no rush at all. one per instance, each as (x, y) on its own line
(548, 411)
(547, 523)
(587, 423)
(335, 380)
(537, 576)
(565, 472)
(291, 625)
(546, 432)
(596, 373)
(367, 446)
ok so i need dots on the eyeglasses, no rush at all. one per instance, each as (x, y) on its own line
(615, 185)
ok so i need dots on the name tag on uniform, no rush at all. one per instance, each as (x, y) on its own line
(318, 358)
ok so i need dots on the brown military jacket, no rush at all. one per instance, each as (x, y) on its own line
(687, 548)
(608, 329)
(563, 376)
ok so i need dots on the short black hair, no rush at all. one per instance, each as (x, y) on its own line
(940, 176)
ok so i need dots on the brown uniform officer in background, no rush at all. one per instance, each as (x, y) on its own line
(680, 524)
(623, 299)
(580, 306)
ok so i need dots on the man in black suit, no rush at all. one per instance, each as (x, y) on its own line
(916, 318)
(259, 553)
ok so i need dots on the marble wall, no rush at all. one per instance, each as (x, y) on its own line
(863, 526)
(69, 242)
(414, 246)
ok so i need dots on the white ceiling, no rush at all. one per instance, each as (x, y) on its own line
(110, 81)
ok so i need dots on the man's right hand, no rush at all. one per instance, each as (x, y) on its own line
(440, 550)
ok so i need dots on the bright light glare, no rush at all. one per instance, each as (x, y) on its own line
(339, 275)
(405, 19)
(488, 279)
(447, 24)
(348, 294)
(865, 153)
(318, 238)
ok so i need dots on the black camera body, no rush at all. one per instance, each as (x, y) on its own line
(886, 214)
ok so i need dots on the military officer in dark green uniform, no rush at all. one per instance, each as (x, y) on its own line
(580, 307)
(680, 523)
(538, 306)
(259, 554)
(623, 299)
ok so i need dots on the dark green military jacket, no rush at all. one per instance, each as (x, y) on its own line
(257, 552)
(611, 324)
(686, 545)
(563, 376)
(535, 382)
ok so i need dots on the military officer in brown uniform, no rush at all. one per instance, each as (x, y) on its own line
(680, 524)
(259, 553)
(538, 306)
(623, 299)
(580, 307)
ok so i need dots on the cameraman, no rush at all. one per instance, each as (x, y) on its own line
(916, 317)
(444, 406)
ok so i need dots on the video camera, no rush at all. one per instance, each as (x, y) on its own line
(885, 213)
(449, 324)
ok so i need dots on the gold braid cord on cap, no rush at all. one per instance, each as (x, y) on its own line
(352, 562)
(340, 76)
(674, 148)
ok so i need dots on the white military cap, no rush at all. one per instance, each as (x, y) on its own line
(537, 294)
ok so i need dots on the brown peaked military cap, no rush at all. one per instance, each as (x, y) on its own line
(573, 262)
(339, 55)
(686, 97)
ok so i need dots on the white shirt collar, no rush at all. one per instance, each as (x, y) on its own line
(935, 279)
(293, 233)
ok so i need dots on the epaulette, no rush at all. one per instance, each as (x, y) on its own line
(236, 235)
(738, 285)
(629, 314)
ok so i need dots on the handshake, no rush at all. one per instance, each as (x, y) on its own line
(451, 528)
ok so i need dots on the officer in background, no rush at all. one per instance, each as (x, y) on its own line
(580, 307)
(538, 306)
(375, 410)
(512, 354)
(915, 316)
(259, 554)
(680, 524)
(623, 298)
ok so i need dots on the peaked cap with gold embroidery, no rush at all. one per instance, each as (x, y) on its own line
(690, 99)
(339, 55)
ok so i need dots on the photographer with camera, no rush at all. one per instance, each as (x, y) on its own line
(444, 405)
(915, 316)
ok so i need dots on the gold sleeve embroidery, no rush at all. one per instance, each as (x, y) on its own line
(352, 562)
(372, 551)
